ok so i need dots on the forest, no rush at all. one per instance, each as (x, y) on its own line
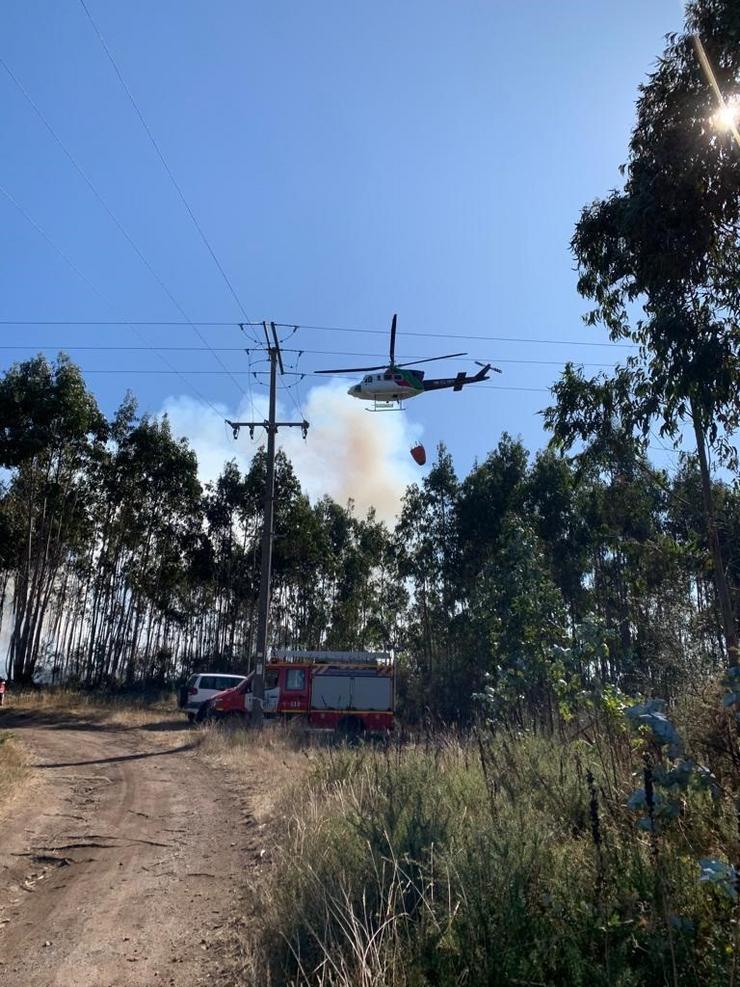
(534, 577)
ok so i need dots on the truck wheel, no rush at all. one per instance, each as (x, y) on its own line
(350, 728)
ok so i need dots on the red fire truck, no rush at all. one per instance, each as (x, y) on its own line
(348, 691)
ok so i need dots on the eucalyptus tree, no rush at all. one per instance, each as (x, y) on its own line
(553, 505)
(638, 572)
(661, 256)
(493, 490)
(427, 553)
(388, 597)
(299, 613)
(229, 584)
(519, 617)
(159, 496)
(50, 432)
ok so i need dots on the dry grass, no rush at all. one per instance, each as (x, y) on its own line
(14, 768)
(120, 710)
(156, 717)
(263, 764)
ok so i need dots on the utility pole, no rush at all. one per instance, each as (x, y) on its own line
(271, 427)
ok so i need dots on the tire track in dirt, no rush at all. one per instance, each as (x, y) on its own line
(124, 862)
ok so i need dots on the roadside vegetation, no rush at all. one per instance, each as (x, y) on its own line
(279, 756)
(508, 856)
(14, 768)
(119, 708)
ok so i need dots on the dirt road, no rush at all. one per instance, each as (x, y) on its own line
(123, 861)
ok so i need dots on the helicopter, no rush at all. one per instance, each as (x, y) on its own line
(396, 384)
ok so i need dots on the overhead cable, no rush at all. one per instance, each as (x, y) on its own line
(373, 332)
(309, 352)
(163, 160)
(124, 232)
(9, 195)
(309, 373)
(450, 335)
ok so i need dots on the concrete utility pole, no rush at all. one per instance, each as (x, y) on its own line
(271, 427)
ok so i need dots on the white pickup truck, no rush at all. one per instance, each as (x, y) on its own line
(203, 686)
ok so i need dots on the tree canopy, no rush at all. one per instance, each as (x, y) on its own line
(530, 579)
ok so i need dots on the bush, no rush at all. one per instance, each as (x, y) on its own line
(496, 860)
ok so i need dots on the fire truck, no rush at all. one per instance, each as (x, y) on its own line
(352, 692)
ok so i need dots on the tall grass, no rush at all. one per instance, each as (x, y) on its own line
(14, 767)
(506, 859)
(124, 709)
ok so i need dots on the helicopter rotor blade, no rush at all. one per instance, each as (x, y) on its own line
(351, 370)
(430, 359)
(393, 339)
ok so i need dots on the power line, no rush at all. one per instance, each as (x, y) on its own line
(309, 352)
(675, 461)
(42, 232)
(124, 232)
(296, 398)
(288, 373)
(104, 322)
(162, 158)
(373, 332)
(444, 335)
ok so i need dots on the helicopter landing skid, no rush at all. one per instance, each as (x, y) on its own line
(386, 406)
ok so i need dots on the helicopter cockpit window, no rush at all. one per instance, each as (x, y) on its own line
(387, 376)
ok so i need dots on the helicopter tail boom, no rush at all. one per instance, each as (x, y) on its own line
(457, 383)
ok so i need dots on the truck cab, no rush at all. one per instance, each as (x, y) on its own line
(238, 701)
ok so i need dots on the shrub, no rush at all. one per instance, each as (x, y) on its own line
(496, 859)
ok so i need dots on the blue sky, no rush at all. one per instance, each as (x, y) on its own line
(345, 160)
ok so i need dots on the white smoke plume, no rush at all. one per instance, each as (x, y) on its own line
(349, 453)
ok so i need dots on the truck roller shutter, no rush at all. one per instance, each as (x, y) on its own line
(372, 693)
(330, 692)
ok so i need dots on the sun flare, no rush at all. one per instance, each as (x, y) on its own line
(728, 116)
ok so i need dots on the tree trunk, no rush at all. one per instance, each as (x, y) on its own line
(720, 576)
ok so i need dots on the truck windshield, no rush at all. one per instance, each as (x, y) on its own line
(271, 679)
